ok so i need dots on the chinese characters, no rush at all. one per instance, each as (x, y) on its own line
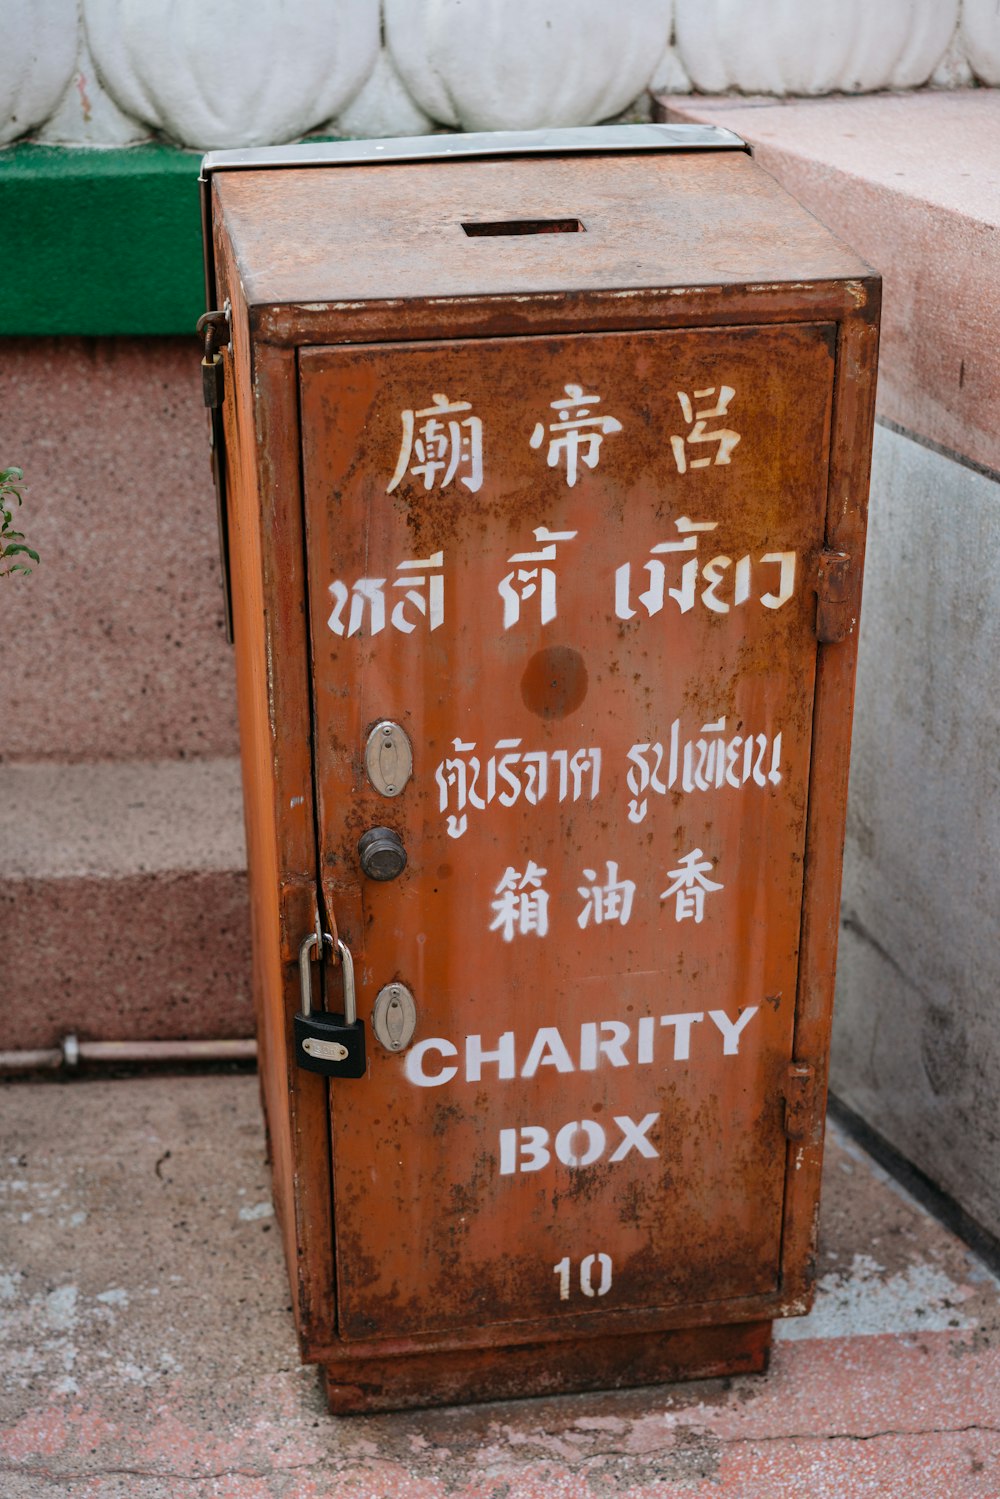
(611, 901)
(690, 886)
(698, 431)
(521, 904)
(443, 444)
(439, 444)
(577, 435)
(444, 441)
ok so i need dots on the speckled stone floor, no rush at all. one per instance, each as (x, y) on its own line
(146, 1345)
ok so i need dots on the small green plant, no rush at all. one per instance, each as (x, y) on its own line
(12, 543)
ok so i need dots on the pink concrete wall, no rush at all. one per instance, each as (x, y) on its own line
(910, 182)
(115, 648)
(123, 899)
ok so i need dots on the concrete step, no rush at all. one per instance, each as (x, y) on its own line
(123, 901)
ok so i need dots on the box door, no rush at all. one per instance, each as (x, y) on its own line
(578, 573)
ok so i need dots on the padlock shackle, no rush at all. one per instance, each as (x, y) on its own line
(347, 966)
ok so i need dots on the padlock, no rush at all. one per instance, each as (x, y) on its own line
(326, 1042)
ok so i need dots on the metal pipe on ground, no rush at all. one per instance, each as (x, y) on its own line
(73, 1053)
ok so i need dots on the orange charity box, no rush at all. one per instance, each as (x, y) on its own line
(543, 462)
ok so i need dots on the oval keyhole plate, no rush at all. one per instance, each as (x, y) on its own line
(388, 757)
(394, 1018)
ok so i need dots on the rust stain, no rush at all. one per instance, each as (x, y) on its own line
(555, 682)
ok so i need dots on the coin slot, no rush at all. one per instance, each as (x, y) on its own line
(491, 227)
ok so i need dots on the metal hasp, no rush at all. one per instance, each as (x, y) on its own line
(548, 460)
(213, 326)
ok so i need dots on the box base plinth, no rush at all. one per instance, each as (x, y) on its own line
(466, 1376)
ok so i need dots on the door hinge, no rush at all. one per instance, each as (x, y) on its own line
(838, 597)
(800, 1100)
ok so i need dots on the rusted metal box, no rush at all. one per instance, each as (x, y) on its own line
(546, 461)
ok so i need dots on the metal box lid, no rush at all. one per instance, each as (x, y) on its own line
(512, 214)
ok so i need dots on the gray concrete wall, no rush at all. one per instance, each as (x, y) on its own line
(908, 180)
(917, 1030)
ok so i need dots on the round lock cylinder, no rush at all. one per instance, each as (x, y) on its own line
(382, 854)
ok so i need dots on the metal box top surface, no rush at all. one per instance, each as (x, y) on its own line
(349, 231)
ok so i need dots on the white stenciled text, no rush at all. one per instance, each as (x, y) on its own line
(439, 443)
(769, 578)
(581, 1142)
(511, 774)
(710, 762)
(651, 1039)
(698, 409)
(537, 582)
(576, 435)
(421, 584)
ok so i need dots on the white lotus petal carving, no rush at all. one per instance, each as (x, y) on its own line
(232, 74)
(525, 64)
(383, 107)
(670, 75)
(980, 32)
(812, 46)
(86, 115)
(953, 70)
(39, 55)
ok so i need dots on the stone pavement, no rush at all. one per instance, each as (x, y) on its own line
(147, 1350)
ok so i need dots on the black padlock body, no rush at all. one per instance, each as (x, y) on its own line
(327, 1026)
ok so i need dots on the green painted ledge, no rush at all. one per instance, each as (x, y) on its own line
(100, 242)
